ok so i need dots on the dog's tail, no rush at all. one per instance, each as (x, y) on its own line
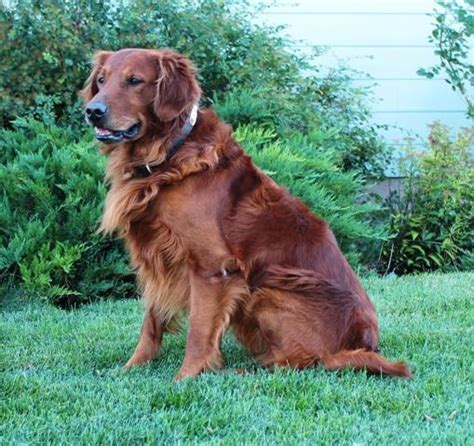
(365, 360)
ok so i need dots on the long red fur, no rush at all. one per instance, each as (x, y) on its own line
(211, 235)
(363, 360)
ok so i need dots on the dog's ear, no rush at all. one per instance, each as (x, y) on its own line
(177, 87)
(90, 87)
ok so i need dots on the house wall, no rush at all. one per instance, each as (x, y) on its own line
(387, 40)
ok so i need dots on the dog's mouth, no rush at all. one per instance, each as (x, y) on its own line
(110, 136)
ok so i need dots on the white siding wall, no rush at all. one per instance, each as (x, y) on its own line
(388, 40)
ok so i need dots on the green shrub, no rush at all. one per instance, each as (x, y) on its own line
(53, 196)
(47, 45)
(49, 211)
(432, 223)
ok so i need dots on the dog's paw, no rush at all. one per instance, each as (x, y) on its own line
(137, 360)
(185, 374)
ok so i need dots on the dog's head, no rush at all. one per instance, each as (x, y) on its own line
(130, 91)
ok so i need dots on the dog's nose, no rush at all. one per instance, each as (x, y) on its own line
(95, 111)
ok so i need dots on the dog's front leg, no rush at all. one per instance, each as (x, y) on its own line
(209, 316)
(149, 341)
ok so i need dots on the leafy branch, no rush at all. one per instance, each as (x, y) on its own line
(453, 29)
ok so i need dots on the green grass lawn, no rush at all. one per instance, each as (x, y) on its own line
(61, 379)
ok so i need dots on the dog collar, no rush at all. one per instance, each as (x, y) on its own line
(148, 169)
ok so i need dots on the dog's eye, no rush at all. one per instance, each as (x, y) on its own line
(134, 80)
(101, 80)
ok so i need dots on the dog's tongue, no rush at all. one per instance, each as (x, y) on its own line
(102, 132)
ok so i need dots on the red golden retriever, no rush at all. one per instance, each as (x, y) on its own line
(209, 233)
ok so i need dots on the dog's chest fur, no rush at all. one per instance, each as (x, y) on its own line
(161, 261)
(175, 232)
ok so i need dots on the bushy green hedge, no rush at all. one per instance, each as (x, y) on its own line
(47, 47)
(53, 196)
(432, 222)
(49, 211)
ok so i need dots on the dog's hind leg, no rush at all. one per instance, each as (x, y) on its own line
(150, 340)
(298, 319)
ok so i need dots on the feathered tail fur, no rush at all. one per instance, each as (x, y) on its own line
(370, 361)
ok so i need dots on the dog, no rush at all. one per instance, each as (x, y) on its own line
(211, 235)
